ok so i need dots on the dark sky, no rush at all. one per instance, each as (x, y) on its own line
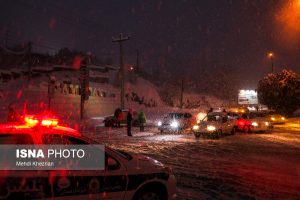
(183, 34)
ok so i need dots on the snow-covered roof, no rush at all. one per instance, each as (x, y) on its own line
(4, 71)
(41, 68)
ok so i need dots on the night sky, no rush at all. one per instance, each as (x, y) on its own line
(182, 34)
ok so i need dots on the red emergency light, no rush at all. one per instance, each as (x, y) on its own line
(33, 121)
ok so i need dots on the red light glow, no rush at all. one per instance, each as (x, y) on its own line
(49, 122)
(32, 121)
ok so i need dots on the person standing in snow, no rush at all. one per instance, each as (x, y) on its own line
(118, 117)
(142, 120)
(129, 122)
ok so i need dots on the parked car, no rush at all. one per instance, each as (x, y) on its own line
(176, 122)
(214, 125)
(242, 124)
(253, 122)
(112, 121)
(276, 118)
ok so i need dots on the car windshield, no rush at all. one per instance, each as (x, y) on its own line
(176, 115)
(124, 154)
(15, 139)
(213, 117)
(255, 115)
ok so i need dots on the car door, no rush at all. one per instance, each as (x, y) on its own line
(109, 183)
(23, 184)
(226, 124)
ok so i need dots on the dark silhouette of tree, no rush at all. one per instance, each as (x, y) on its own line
(280, 91)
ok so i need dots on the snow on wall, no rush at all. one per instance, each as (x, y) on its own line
(104, 100)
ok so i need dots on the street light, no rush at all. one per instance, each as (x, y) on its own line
(271, 55)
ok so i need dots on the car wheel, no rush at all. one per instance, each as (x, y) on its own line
(161, 131)
(109, 124)
(246, 129)
(197, 135)
(216, 135)
(233, 131)
(220, 132)
(149, 196)
(152, 193)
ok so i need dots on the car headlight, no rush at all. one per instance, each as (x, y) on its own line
(267, 123)
(273, 118)
(196, 127)
(282, 118)
(211, 128)
(174, 124)
(254, 124)
(159, 123)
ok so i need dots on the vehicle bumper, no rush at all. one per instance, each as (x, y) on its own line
(168, 129)
(204, 133)
(172, 187)
(260, 128)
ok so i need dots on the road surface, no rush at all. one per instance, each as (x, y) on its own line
(243, 166)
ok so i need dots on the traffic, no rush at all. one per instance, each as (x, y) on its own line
(215, 124)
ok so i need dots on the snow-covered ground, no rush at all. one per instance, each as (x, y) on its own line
(66, 102)
(243, 166)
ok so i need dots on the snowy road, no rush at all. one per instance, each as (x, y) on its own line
(243, 166)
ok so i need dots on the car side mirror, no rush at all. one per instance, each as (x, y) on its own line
(112, 164)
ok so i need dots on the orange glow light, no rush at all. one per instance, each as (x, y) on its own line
(270, 55)
(288, 21)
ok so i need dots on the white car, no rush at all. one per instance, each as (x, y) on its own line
(259, 121)
(214, 125)
(126, 176)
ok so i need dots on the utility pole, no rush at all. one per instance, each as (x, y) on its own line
(84, 85)
(181, 94)
(272, 63)
(121, 39)
(271, 55)
(51, 89)
(30, 62)
(137, 61)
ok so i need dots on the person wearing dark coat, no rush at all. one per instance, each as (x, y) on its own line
(129, 122)
(118, 117)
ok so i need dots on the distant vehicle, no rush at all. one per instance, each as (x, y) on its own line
(176, 122)
(276, 118)
(253, 122)
(214, 125)
(126, 176)
(112, 121)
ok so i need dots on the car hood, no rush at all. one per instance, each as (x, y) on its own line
(258, 119)
(208, 123)
(144, 165)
